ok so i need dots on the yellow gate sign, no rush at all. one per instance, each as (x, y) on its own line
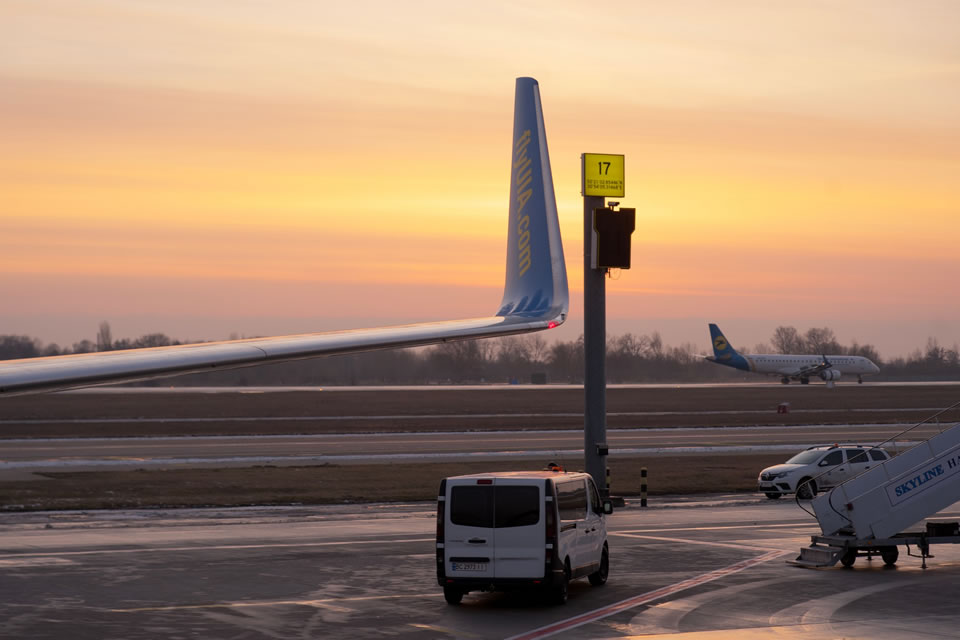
(602, 175)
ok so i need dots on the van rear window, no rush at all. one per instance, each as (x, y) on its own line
(494, 506)
(516, 506)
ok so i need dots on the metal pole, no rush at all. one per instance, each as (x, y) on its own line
(643, 486)
(594, 352)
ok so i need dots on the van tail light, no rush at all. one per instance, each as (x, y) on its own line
(550, 527)
(441, 529)
(441, 510)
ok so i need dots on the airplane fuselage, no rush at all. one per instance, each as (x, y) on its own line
(789, 365)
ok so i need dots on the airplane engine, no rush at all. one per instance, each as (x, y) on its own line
(830, 374)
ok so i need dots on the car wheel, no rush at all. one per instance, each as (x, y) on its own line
(889, 555)
(600, 576)
(849, 557)
(560, 588)
(452, 595)
(772, 495)
(806, 489)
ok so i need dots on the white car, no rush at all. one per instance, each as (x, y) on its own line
(818, 468)
(520, 530)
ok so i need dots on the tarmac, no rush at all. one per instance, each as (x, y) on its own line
(692, 567)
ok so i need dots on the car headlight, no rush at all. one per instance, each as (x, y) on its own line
(782, 474)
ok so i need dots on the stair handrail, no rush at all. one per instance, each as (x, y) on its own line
(892, 438)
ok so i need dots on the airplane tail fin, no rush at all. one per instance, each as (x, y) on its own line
(536, 280)
(722, 351)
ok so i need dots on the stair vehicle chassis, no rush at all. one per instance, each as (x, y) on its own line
(826, 551)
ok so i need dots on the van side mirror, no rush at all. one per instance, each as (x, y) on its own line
(607, 507)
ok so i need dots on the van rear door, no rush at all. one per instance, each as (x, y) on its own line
(468, 536)
(520, 528)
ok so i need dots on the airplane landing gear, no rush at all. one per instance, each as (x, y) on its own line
(859, 379)
(784, 380)
(804, 380)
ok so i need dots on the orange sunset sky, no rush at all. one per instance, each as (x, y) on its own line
(212, 168)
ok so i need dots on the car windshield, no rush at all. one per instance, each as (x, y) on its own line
(806, 457)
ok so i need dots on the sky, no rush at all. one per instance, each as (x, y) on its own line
(237, 168)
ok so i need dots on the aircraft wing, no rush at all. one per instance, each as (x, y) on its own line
(535, 295)
(808, 371)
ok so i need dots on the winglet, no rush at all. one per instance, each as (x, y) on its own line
(536, 280)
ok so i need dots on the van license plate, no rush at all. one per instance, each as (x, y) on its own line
(469, 566)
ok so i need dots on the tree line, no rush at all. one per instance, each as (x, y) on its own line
(517, 359)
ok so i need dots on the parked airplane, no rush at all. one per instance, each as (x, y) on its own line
(798, 367)
(535, 294)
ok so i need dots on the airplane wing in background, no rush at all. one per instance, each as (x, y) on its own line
(535, 295)
(813, 369)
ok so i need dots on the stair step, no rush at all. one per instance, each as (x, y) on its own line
(817, 556)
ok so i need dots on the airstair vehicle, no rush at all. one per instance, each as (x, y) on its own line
(868, 514)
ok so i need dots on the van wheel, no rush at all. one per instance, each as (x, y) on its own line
(452, 595)
(600, 576)
(560, 589)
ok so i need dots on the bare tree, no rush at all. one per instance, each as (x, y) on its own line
(104, 337)
(821, 340)
(866, 350)
(787, 340)
(537, 348)
(15, 347)
(84, 346)
(153, 340)
(934, 353)
(655, 346)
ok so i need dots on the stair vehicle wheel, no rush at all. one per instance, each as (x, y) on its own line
(452, 595)
(806, 489)
(889, 555)
(773, 495)
(600, 576)
(849, 557)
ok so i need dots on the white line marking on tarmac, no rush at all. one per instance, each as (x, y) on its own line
(324, 603)
(728, 545)
(407, 434)
(629, 603)
(279, 545)
(396, 457)
(444, 416)
(33, 562)
(822, 610)
(725, 526)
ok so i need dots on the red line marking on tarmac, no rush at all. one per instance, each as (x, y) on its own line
(643, 598)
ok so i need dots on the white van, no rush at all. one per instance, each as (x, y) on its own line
(520, 529)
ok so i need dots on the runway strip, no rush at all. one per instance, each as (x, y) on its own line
(389, 457)
(629, 603)
(446, 416)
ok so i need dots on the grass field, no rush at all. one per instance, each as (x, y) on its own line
(326, 484)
